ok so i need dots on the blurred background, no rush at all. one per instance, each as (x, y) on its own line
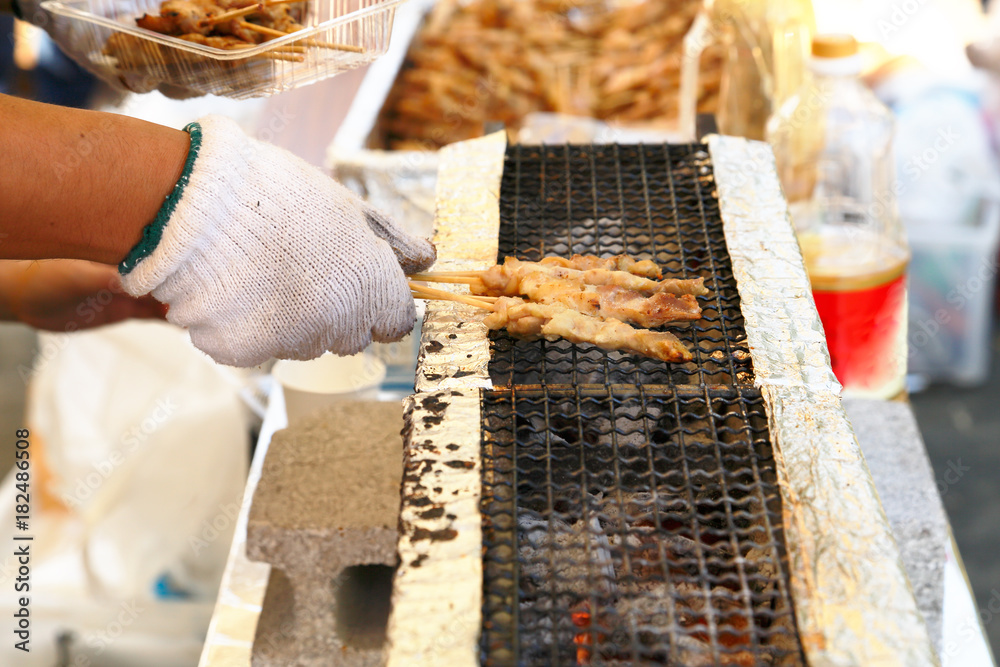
(934, 63)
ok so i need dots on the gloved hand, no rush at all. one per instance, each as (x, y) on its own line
(261, 255)
(75, 39)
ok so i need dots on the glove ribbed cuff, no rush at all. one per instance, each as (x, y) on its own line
(200, 203)
(153, 232)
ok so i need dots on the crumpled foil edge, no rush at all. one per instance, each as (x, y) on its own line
(437, 591)
(454, 348)
(853, 602)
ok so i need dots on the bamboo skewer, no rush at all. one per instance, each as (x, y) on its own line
(264, 30)
(271, 32)
(331, 45)
(439, 278)
(425, 292)
(243, 11)
(280, 49)
(431, 275)
(288, 57)
(286, 53)
(233, 14)
(428, 297)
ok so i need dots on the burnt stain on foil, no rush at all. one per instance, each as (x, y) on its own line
(442, 535)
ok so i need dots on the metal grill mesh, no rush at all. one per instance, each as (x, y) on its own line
(655, 202)
(632, 529)
(630, 510)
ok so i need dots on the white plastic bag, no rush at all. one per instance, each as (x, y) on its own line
(147, 444)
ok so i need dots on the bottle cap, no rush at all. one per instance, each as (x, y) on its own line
(834, 46)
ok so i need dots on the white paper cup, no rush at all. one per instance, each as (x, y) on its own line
(312, 385)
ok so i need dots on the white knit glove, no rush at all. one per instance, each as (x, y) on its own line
(261, 255)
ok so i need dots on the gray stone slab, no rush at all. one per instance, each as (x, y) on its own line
(327, 501)
(897, 459)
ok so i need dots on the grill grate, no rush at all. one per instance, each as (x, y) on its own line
(632, 529)
(654, 202)
(630, 509)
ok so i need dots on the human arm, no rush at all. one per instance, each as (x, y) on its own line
(67, 295)
(257, 253)
(80, 184)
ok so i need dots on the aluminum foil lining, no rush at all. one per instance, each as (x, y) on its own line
(454, 349)
(399, 183)
(437, 592)
(853, 602)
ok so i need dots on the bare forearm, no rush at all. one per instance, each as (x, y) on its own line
(8, 286)
(80, 184)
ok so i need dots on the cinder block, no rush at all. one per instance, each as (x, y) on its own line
(897, 458)
(327, 506)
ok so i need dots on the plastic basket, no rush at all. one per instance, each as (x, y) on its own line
(143, 60)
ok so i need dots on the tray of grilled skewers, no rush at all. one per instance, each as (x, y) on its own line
(232, 48)
(612, 302)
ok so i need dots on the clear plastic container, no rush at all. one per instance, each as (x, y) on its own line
(766, 45)
(339, 35)
(833, 146)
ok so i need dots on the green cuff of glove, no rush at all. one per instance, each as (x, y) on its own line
(152, 232)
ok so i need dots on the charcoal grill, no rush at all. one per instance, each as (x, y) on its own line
(566, 505)
(631, 509)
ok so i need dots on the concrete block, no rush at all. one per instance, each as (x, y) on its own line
(324, 515)
(897, 459)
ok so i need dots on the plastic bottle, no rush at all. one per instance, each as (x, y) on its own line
(833, 146)
(766, 44)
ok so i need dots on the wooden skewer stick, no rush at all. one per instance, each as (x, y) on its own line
(289, 57)
(271, 32)
(424, 292)
(439, 278)
(243, 11)
(468, 274)
(428, 297)
(233, 14)
(331, 45)
(279, 49)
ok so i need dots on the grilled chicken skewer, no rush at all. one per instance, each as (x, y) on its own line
(645, 268)
(611, 301)
(504, 279)
(582, 299)
(524, 319)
